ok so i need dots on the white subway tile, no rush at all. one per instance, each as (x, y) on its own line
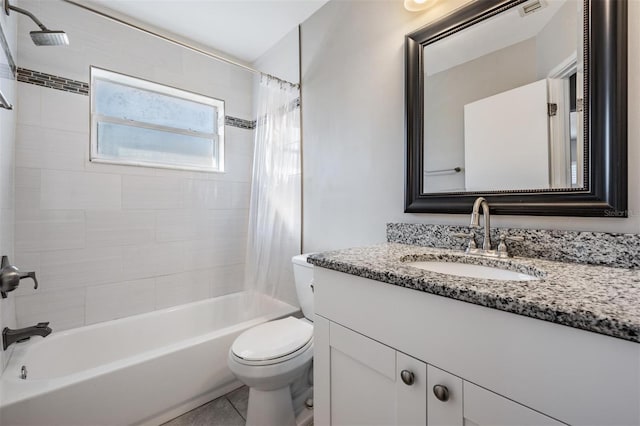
(219, 195)
(27, 178)
(205, 254)
(240, 195)
(65, 111)
(63, 309)
(239, 142)
(43, 148)
(111, 301)
(196, 193)
(75, 190)
(153, 260)
(229, 251)
(225, 224)
(181, 225)
(199, 255)
(119, 228)
(39, 230)
(152, 192)
(80, 268)
(29, 104)
(27, 188)
(227, 279)
(7, 231)
(7, 179)
(241, 168)
(182, 288)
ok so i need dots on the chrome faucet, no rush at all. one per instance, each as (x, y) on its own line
(486, 250)
(475, 221)
(10, 336)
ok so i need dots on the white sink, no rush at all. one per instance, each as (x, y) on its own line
(471, 271)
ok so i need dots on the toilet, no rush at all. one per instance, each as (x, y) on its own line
(275, 360)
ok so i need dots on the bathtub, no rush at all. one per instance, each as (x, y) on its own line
(144, 369)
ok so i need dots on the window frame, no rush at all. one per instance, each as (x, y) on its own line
(97, 73)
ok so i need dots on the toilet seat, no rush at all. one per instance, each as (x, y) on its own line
(273, 342)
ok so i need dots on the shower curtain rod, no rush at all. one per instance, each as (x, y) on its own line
(176, 42)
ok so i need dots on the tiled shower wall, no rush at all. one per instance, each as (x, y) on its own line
(8, 26)
(111, 241)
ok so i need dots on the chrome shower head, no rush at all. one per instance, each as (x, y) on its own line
(44, 37)
(49, 38)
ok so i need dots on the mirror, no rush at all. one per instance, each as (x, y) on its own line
(505, 100)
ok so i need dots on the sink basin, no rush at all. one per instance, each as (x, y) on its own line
(471, 271)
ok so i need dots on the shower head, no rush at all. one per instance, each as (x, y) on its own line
(44, 37)
(49, 38)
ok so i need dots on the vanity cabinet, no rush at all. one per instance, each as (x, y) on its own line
(366, 383)
(373, 384)
(498, 368)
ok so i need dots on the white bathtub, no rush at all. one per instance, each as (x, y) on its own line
(144, 369)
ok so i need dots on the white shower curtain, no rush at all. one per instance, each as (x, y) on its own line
(275, 208)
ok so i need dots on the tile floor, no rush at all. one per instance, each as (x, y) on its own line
(228, 410)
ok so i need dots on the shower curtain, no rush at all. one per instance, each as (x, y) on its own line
(275, 208)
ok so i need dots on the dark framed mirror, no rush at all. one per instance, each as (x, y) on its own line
(523, 102)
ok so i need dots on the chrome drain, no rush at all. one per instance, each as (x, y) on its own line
(23, 372)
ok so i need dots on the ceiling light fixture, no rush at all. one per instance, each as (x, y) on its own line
(418, 5)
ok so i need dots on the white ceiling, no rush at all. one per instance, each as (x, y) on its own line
(244, 29)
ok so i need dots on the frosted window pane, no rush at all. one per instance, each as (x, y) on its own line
(130, 103)
(137, 144)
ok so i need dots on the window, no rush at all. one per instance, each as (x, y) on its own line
(137, 122)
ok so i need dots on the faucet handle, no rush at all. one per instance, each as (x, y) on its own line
(31, 275)
(502, 247)
(10, 277)
(470, 235)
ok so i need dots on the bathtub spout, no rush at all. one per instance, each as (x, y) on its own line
(10, 336)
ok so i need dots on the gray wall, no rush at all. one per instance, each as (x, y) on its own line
(558, 39)
(353, 128)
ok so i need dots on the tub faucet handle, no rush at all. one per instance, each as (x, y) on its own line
(31, 275)
(10, 277)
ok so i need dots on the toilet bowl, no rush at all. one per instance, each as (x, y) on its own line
(275, 360)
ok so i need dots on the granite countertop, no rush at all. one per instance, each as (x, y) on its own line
(600, 299)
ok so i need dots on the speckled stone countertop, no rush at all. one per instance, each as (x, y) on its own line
(594, 298)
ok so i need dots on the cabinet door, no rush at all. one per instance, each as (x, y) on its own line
(366, 385)
(483, 407)
(443, 410)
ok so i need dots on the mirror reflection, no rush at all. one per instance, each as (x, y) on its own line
(503, 102)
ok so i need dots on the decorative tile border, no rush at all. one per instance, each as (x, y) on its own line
(593, 248)
(52, 81)
(239, 122)
(7, 70)
(78, 87)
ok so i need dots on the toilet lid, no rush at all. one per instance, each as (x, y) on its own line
(272, 339)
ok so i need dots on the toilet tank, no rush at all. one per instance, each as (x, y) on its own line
(303, 274)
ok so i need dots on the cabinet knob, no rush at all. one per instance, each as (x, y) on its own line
(407, 377)
(441, 392)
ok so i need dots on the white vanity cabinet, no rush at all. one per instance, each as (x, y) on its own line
(498, 368)
(373, 384)
(366, 379)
